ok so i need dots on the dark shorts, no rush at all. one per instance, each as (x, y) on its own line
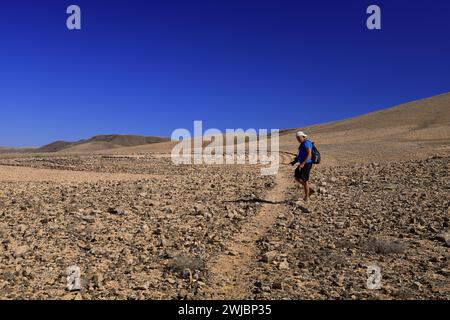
(303, 173)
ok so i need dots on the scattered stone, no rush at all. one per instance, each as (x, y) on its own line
(21, 251)
(322, 190)
(132, 256)
(22, 228)
(417, 285)
(284, 265)
(386, 246)
(445, 272)
(277, 285)
(268, 257)
(444, 237)
(97, 280)
(89, 219)
(183, 294)
(118, 211)
(182, 263)
(143, 286)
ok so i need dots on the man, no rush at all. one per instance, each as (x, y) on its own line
(305, 163)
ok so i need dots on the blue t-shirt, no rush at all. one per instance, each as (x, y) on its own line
(301, 156)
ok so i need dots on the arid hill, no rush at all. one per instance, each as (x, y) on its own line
(100, 142)
(409, 130)
(4, 150)
(96, 143)
(412, 129)
(55, 146)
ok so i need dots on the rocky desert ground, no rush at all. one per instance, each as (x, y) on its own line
(135, 226)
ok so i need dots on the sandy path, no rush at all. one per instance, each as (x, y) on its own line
(27, 174)
(231, 274)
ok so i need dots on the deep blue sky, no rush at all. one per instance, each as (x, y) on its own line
(148, 67)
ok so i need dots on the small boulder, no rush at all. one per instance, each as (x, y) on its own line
(284, 265)
(444, 237)
(21, 251)
(268, 257)
(117, 211)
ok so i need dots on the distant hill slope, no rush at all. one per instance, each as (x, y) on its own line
(4, 150)
(55, 146)
(100, 142)
(126, 140)
(411, 130)
(422, 120)
(416, 129)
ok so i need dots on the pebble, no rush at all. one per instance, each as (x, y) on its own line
(268, 257)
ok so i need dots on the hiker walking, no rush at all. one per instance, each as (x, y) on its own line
(305, 161)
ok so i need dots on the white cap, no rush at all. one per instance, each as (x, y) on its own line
(300, 134)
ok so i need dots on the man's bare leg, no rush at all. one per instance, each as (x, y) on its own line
(306, 190)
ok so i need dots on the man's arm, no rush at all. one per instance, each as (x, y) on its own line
(295, 159)
(308, 157)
